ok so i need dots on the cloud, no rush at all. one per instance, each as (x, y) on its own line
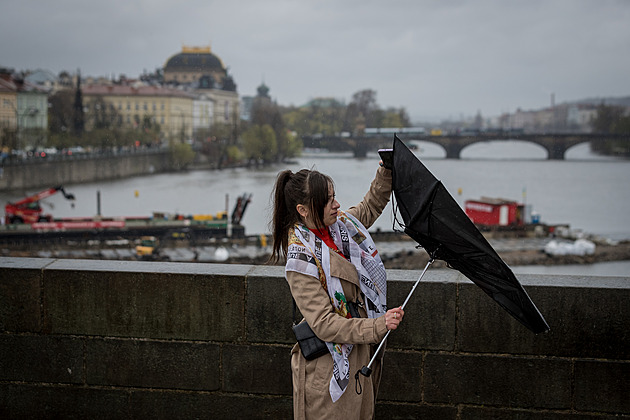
(434, 58)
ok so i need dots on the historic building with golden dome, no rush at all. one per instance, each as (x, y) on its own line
(196, 93)
(205, 73)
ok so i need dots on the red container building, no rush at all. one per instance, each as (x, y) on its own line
(495, 212)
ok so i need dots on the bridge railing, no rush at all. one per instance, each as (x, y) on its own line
(116, 339)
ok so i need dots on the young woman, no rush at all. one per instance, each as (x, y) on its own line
(332, 264)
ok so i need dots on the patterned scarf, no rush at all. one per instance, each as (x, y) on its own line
(309, 255)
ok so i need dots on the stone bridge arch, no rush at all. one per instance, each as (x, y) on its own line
(556, 144)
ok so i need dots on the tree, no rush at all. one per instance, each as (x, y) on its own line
(182, 155)
(267, 113)
(259, 144)
(78, 118)
(60, 112)
(103, 115)
(363, 104)
(611, 119)
(395, 118)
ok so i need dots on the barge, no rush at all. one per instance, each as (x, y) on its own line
(26, 224)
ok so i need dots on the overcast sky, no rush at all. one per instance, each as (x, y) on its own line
(437, 59)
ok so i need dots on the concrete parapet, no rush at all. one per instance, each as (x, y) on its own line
(122, 339)
(44, 173)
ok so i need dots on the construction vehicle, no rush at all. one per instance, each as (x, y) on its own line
(239, 208)
(147, 248)
(28, 210)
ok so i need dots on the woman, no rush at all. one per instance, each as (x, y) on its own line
(331, 263)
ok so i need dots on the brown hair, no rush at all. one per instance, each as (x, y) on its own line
(306, 187)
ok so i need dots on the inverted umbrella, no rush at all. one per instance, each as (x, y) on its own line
(432, 217)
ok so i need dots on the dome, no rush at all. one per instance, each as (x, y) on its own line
(194, 59)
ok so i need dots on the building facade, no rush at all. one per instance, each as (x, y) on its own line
(201, 71)
(23, 113)
(171, 109)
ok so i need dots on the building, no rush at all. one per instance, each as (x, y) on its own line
(197, 68)
(202, 113)
(23, 113)
(496, 212)
(172, 109)
(247, 102)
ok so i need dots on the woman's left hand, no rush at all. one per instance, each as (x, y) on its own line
(393, 318)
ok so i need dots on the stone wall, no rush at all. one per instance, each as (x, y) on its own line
(49, 172)
(121, 339)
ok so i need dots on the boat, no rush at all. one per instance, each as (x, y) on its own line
(39, 228)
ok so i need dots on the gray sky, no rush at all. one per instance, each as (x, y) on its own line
(436, 58)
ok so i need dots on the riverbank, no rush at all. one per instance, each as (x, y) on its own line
(417, 259)
(397, 251)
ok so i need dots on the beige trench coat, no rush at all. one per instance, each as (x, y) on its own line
(311, 397)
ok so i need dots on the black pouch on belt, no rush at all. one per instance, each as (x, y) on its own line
(311, 346)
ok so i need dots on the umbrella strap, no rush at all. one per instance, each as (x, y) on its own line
(395, 222)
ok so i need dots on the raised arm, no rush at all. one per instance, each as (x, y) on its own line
(375, 200)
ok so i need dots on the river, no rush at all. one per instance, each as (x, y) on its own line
(586, 191)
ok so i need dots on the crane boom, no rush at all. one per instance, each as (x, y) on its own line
(27, 210)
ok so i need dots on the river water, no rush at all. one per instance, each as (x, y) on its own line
(586, 191)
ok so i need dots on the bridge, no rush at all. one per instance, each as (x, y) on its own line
(556, 144)
(191, 340)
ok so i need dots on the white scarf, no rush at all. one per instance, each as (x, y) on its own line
(309, 255)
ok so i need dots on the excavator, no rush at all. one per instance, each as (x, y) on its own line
(28, 210)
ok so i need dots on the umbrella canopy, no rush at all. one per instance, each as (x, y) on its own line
(435, 220)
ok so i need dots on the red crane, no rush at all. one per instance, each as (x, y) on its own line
(28, 210)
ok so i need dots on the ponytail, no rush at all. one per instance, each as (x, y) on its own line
(306, 187)
(280, 217)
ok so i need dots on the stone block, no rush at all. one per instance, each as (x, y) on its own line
(397, 411)
(587, 316)
(490, 413)
(153, 364)
(34, 358)
(269, 306)
(190, 405)
(518, 382)
(429, 321)
(20, 293)
(248, 369)
(402, 377)
(151, 300)
(27, 401)
(602, 386)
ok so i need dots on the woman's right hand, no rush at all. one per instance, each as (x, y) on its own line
(393, 318)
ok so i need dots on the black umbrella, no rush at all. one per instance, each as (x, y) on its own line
(432, 217)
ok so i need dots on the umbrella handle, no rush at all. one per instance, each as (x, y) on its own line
(367, 370)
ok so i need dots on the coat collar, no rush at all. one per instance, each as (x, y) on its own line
(343, 269)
